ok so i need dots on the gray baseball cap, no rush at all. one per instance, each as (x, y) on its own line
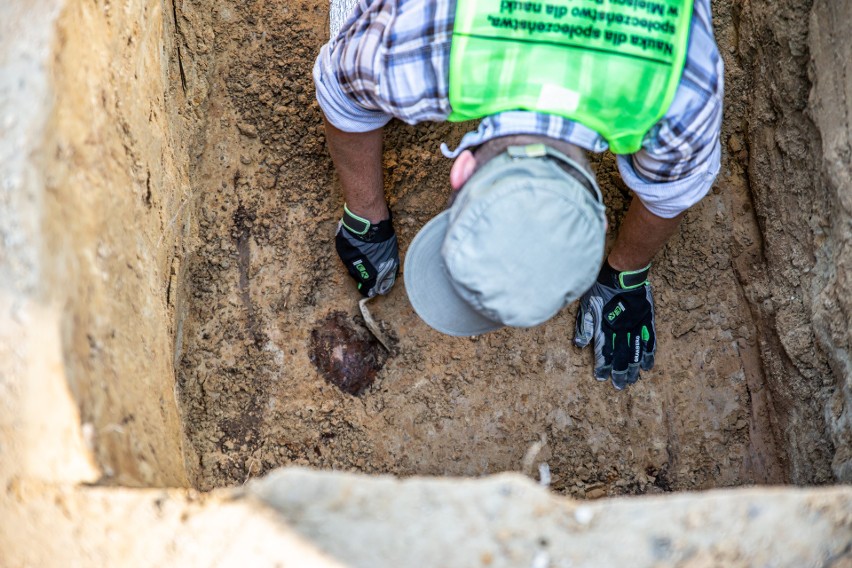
(523, 239)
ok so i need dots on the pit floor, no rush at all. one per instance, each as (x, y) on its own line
(265, 276)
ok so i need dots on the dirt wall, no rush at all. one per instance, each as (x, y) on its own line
(123, 124)
(830, 105)
(505, 521)
(298, 518)
(31, 362)
(795, 57)
(105, 207)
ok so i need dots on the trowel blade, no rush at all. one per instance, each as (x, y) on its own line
(371, 323)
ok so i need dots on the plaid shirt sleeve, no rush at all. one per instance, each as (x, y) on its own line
(391, 59)
(681, 155)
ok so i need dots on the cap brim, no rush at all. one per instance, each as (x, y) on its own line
(430, 290)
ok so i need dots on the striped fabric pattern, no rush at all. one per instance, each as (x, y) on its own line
(391, 60)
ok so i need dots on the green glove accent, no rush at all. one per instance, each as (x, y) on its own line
(618, 314)
(369, 252)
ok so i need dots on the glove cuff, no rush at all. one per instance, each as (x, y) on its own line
(626, 280)
(365, 231)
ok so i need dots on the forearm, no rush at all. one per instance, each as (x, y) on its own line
(641, 236)
(357, 157)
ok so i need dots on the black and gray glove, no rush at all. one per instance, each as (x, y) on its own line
(369, 252)
(618, 314)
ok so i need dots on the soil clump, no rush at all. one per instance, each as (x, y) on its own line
(346, 354)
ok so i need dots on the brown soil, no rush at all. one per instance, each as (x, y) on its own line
(265, 279)
(168, 212)
(346, 354)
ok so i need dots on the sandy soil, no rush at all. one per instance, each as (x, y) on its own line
(111, 261)
(265, 276)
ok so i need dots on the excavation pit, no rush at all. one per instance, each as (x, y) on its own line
(442, 405)
(175, 314)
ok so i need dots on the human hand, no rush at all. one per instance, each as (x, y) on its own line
(369, 252)
(618, 314)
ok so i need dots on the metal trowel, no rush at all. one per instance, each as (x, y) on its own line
(371, 323)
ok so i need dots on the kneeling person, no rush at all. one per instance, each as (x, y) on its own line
(524, 236)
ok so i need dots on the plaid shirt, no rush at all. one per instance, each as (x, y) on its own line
(391, 59)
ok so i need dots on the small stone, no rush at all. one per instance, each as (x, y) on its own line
(584, 515)
(735, 144)
(691, 302)
(247, 130)
(596, 493)
(683, 327)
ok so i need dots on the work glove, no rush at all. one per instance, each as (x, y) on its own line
(369, 252)
(618, 314)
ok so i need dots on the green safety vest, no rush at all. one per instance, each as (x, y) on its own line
(611, 65)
